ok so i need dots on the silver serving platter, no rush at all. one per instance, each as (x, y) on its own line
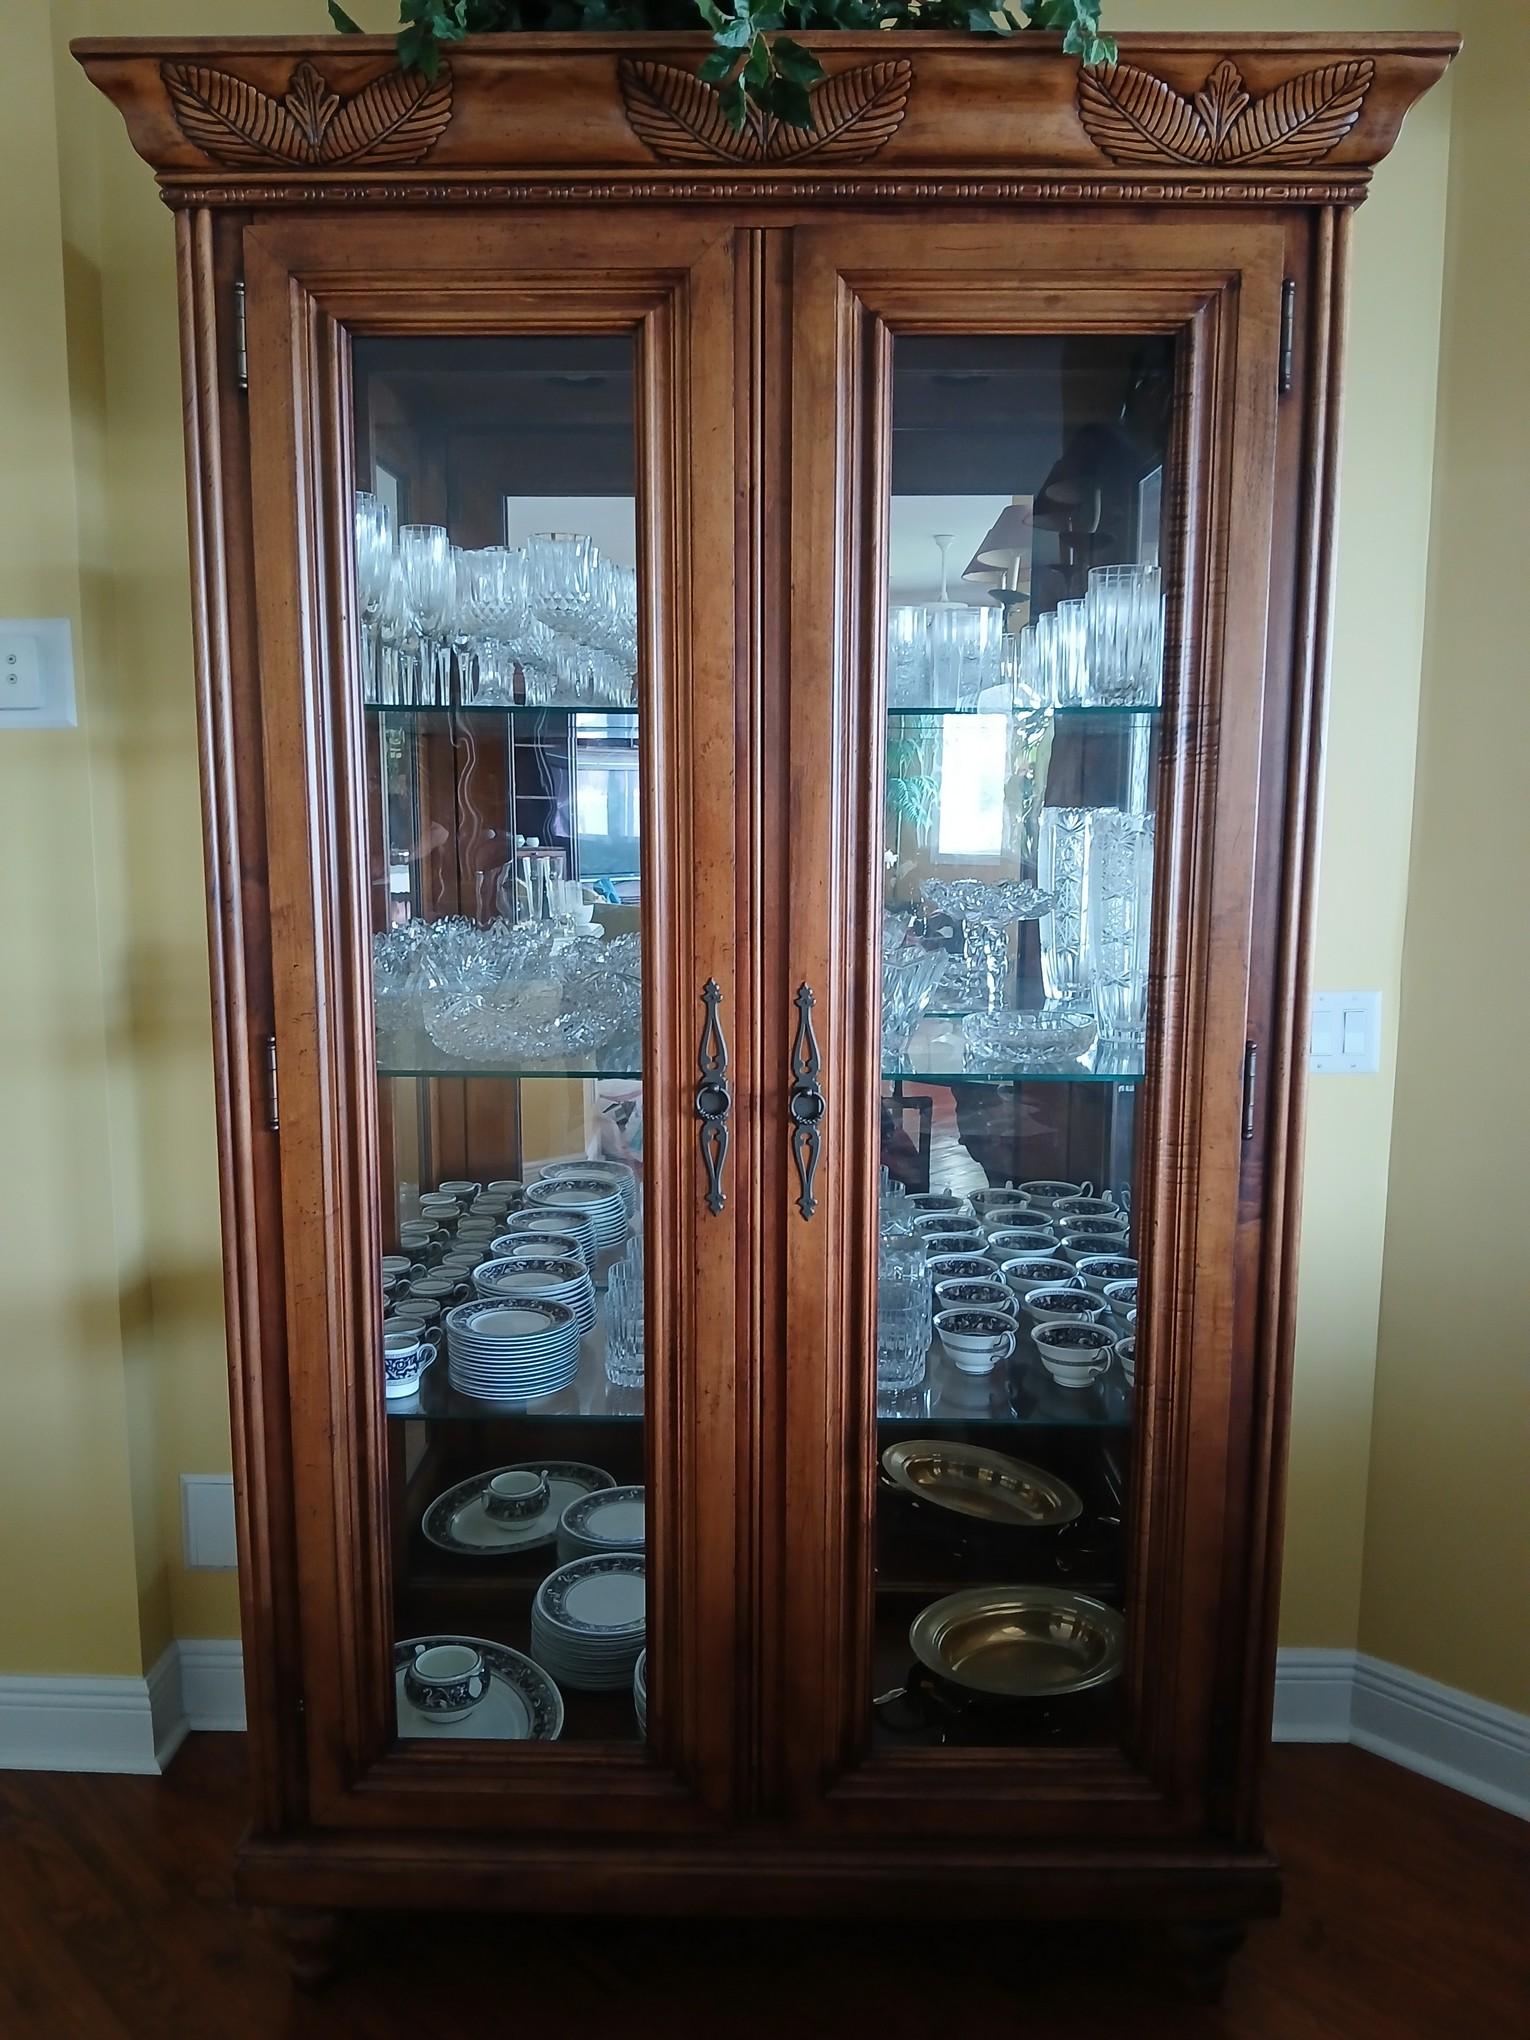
(1020, 1643)
(972, 1481)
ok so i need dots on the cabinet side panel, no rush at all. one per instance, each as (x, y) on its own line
(233, 809)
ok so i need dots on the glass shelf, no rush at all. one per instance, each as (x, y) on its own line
(518, 1073)
(1019, 1392)
(936, 1055)
(1087, 713)
(414, 1054)
(489, 711)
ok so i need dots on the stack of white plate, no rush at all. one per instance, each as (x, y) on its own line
(612, 1520)
(618, 1174)
(564, 1279)
(588, 1621)
(546, 1238)
(561, 1221)
(595, 1198)
(512, 1352)
(640, 1691)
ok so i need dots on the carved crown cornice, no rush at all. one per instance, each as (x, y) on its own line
(397, 118)
(1296, 119)
(855, 113)
(1132, 116)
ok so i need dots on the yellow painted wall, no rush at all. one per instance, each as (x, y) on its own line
(148, 1321)
(61, 1351)
(1385, 479)
(1447, 1552)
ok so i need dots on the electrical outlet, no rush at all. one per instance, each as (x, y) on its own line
(36, 673)
(20, 672)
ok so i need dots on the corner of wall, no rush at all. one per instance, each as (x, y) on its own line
(1378, 627)
(1447, 1551)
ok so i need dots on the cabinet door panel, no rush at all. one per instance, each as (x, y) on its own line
(498, 714)
(1031, 513)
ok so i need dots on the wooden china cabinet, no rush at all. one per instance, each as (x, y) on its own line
(757, 689)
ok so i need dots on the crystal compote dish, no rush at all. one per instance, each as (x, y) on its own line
(986, 911)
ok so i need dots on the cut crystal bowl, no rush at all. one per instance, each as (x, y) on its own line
(504, 991)
(1046, 1040)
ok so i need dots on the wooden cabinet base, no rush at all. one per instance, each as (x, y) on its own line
(313, 1938)
(1202, 1950)
(1205, 1893)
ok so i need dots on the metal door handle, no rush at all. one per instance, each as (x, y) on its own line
(714, 1101)
(805, 1102)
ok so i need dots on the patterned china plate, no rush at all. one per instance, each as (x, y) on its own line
(457, 1521)
(521, 1705)
(596, 1599)
(614, 1519)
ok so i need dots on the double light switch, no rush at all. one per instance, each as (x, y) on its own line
(1345, 1036)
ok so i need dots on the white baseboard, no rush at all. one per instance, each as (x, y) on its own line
(1321, 1696)
(1314, 1695)
(126, 1725)
(1344, 1696)
(92, 1724)
(1469, 1744)
(212, 1682)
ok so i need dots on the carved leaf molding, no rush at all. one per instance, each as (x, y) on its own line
(398, 118)
(1133, 117)
(855, 113)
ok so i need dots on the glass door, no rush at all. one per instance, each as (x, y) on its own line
(501, 955)
(498, 582)
(1054, 484)
(1025, 683)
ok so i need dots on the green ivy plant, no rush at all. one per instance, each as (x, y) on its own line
(756, 63)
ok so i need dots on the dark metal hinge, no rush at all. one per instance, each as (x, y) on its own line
(241, 343)
(273, 1116)
(1287, 334)
(1250, 1079)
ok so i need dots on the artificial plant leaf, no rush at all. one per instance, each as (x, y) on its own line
(794, 62)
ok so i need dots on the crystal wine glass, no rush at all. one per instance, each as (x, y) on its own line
(425, 553)
(374, 562)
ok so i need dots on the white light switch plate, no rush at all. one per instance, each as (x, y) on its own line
(1344, 1035)
(207, 1522)
(36, 673)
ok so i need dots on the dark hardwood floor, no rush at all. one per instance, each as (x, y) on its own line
(1407, 1916)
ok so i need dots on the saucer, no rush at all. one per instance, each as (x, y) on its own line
(611, 1519)
(521, 1705)
(457, 1521)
